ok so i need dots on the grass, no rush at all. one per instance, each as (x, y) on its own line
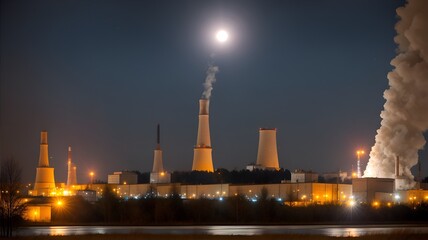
(395, 236)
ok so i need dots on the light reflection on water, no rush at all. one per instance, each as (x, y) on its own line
(233, 230)
(367, 230)
(326, 230)
(345, 232)
(72, 230)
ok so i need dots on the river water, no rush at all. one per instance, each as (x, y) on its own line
(326, 230)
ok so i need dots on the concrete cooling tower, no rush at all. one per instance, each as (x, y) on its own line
(267, 156)
(202, 157)
(45, 181)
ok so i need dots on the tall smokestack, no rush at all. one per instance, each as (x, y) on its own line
(158, 174)
(397, 166)
(71, 173)
(202, 157)
(267, 155)
(405, 114)
(45, 181)
(157, 160)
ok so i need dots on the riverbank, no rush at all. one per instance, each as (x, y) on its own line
(394, 236)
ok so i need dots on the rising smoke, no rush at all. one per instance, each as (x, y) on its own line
(405, 114)
(209, 80)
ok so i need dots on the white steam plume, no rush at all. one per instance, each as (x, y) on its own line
(209, 80)
(405, 114)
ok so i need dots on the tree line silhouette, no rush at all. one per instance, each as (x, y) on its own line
(233, 210)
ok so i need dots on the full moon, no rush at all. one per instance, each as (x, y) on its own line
(222, 36)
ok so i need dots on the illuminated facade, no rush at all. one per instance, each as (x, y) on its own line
(124, 177)
(38, 213)
(202, 156)
(303, 176)
(289, 193)
(369, 190)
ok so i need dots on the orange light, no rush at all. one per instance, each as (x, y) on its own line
(360, 152)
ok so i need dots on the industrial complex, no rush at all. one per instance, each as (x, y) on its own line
(302, 189)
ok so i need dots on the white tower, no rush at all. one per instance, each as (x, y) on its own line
(202, 153)
(71, 176)
(267, 156)
(158, 174)
(45, 181)
(157, 161)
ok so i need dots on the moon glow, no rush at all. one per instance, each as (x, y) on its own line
(222, 36)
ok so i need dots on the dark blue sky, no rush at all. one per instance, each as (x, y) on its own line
(99, 75)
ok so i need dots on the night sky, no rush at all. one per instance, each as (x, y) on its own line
(100, 75)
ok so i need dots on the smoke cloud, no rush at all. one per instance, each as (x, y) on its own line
(405, 113)
(209, 80)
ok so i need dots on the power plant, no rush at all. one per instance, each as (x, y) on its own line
(202, 153)
(303, 187)
(45, 180)
(267, 156)
(71, 170)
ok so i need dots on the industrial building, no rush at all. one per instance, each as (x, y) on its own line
(368, 190)
(38, 212)
(303, 176)
(412, 197)
(289, 193)
(123, 177)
